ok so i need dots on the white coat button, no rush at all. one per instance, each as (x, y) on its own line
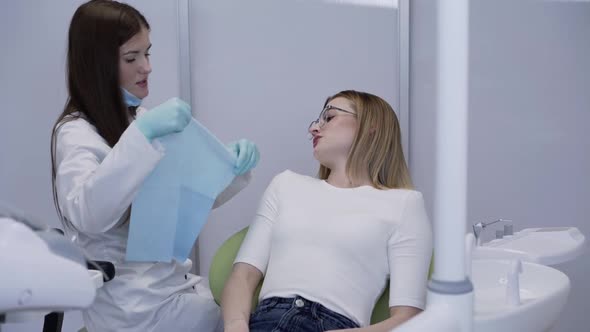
(299, 303)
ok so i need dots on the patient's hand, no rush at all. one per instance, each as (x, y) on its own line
(238, 325)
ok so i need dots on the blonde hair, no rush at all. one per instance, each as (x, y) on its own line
(377, 145)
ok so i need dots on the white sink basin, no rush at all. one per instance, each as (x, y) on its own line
(543, 293)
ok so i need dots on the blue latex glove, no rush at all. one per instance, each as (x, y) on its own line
(169, 117)
(246, 153)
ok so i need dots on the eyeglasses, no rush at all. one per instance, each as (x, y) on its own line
(325, 117)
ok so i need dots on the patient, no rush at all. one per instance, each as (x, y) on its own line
(327, 247)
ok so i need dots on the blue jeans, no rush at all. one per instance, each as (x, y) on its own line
(277, 314)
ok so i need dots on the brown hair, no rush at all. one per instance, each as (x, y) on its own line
(97, 31)
(377, 145)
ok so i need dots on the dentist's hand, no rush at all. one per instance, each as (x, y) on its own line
(246, 153)
(169, 117)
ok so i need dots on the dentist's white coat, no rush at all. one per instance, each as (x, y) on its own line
(95, 187)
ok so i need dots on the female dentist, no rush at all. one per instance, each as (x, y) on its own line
(103, 147)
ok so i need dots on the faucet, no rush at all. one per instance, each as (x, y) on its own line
(480, 226)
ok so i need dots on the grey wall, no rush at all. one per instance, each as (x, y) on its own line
(529, 115)
(32, 92)
(266, 77)
(33, 36)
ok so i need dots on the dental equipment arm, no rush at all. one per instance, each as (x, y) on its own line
(450, 297)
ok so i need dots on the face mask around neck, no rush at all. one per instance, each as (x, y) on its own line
(130, 99)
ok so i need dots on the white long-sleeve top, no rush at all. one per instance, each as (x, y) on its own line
(96, 185)
(338, 246)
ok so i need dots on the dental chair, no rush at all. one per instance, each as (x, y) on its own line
(53, 321)
(222, 264)
(43, 272)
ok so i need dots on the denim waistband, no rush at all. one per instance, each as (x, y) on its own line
(316, 309)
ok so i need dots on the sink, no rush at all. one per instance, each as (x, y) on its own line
(547, 246)
(543, 294)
